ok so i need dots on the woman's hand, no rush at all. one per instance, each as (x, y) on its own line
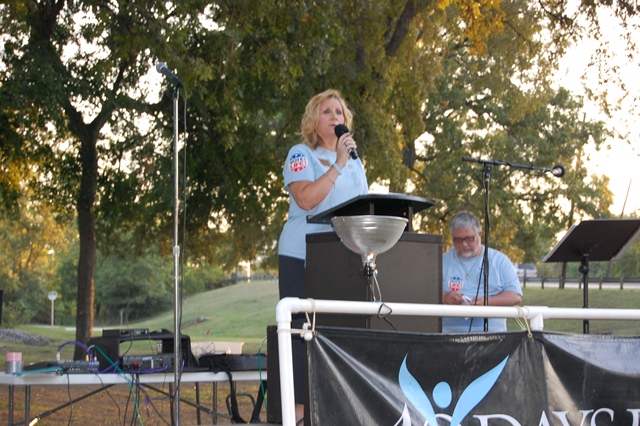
(345, 144)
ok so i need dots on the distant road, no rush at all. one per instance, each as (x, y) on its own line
(594, 283)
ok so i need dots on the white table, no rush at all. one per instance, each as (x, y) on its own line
(105, 381)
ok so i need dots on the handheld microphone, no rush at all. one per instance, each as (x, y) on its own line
(557, 171)
(161, 67)
(340, 130)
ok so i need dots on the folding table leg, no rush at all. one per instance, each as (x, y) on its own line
(27, 404)
(198, 403)
(10, 407)
(215, 403)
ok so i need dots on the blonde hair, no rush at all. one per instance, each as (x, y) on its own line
(312, 112)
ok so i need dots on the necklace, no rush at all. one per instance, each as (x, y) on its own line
(468, 272)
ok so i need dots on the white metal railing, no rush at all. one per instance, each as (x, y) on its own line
(534, 314)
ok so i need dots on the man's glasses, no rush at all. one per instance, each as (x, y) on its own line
(467, 240)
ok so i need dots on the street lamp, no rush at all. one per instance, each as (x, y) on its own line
(53, 295)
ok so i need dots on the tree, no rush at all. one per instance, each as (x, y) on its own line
(73, 72)
(473, 74)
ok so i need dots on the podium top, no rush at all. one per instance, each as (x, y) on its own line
(599, 239)
(392, 204)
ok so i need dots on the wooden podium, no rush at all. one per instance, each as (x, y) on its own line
(409, 272)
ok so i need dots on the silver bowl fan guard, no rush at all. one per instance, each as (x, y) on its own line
(369, 235)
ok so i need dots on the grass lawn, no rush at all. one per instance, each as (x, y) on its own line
(573, 298)
(242, 312)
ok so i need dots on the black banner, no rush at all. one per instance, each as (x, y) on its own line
(369, 377)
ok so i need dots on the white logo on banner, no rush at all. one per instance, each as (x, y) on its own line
(473, 395)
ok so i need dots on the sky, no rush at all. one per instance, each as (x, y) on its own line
(621, 163)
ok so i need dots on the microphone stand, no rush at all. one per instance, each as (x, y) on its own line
(486, 174)
(177, 313)
(487, 165)
(485, 257)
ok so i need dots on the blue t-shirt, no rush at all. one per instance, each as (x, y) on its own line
(465, 275)
(304, 164)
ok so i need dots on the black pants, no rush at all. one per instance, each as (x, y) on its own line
(291, 284)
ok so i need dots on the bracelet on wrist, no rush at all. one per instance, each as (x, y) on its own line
(337, 168)
(331, 179)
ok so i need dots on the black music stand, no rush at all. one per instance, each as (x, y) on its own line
(594, 240)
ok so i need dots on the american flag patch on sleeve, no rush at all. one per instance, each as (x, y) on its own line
(297, 162)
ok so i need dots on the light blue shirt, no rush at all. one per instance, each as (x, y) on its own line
(304, 164)
(465, 276)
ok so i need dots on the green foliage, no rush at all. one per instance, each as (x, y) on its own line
(72, 73)
(31, 242)
(628, 265)
(501, 106)
(135, 287)
(65, 282)
(202, 278)
(480, 75)
(473, 77)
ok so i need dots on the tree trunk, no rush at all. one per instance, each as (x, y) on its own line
(411, 9)
(87, 232)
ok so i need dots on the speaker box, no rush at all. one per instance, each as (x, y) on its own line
(409, 272)
(274, 405)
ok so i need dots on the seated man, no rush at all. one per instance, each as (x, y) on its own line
(462, 282)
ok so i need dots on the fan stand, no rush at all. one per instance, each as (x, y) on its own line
(369, 235)
(371, 275)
